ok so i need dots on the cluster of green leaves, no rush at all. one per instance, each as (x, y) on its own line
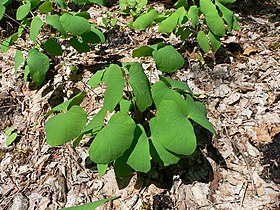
(148, 122)
(217, 17)
(72, 28)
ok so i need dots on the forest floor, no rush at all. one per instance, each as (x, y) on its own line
(238, 169)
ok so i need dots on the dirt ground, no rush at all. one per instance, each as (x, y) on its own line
(238, 169)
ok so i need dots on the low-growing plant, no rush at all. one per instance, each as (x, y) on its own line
(63, 26)
(214, 14)
(149, 122)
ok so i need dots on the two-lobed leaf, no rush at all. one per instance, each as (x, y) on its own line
(46, 7)
(215, 41)
(175, 131)
(95, 80)
(113, 140)
(64, 127)
(141, 86)
(38, 64)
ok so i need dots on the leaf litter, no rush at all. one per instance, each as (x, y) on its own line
(238, 170)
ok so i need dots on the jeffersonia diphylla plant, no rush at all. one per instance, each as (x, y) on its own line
(149, 122)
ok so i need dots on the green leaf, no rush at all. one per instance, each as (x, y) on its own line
(83, 14)
(227, 1)
(26, 73)
(175, 84)
(113, 140)
(161, 92)
(11, 138)
(140, 86)
(52, 47)
(166, 157)
(175, 131)
(34, 3)
(215, 42)
(102, 168)
(197, 112)
(75, 25)
(23, 10)
(5, 2)
(113, 77)
(98, 2)
(38, 64)
(193, 15)
(76, 100)
(96, 122)
(46, 7)
(35, 28)
(227, 15)
(2, 11)
(215, 24)
(95, 80)
(167, 59)
(139, 159)
(92, 205)
(121, 168)
(145, 20)
(142, 51)
(212, 17)
(19, 59)
(203, 41)
(169, 24)
(78, 45)
(94, 37)
(61, 4)
(125, 105)
(236, 26)
(64, 127)
(182, 13)
(9, 131)
(183, 33)
(80, 2)
(54, 21)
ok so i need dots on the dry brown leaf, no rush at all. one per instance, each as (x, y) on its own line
(251, 50)
(263, 136)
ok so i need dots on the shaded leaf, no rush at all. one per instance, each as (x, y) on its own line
(2, 11)
(52, 47)
(54, 21)
(139, 158)
(78, 45)
(38, 64)
(215, 42)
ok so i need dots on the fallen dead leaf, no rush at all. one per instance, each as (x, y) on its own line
(251, 50)
(263, 136)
